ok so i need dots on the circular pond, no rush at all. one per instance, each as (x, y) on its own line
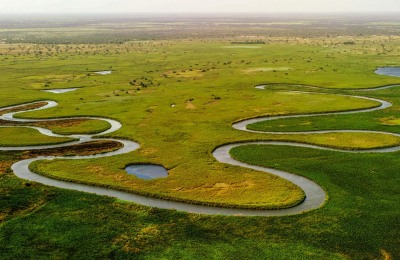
(388, 71)
(147, 171)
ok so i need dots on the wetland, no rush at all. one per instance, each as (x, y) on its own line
(305, 102)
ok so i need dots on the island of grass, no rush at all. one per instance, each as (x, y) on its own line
(386, 121)
(23, 136)
(75, 126)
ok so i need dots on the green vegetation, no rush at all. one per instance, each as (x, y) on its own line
(43, 222)
(347, 141)
(359, 222)
(214, 185)
(363, 194)
(178, 99)
(385, 120)
(79, 126)
(13, 136)
(200, 120)
(239, 190)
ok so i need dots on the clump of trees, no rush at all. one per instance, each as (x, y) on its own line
(250, 42)
(143, 82)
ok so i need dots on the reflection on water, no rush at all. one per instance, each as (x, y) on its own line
(104, 72)
(60, 90)
(147, 171)
(389, 71)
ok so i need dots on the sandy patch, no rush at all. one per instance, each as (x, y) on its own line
(189, 105)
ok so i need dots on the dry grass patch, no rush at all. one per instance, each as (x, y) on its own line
(4, 166)
(390, 120)
(23, 108)
(350, 140)
(190, 105)
(265, 69)
(386, 255)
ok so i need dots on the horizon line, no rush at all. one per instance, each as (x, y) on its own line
(203, 12)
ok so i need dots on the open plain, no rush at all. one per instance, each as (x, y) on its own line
(299, 102)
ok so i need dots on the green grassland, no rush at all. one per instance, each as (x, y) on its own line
(178, 99)
(13, 136)
(43, 222)
(362, 188)
(80, 126)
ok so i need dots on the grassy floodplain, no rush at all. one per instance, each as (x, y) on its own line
(13, 136)
(178, 99)
(179, 120)
(80, 126)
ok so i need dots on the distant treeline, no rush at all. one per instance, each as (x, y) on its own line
(250, 42)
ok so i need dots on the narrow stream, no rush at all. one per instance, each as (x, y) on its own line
(315, 195)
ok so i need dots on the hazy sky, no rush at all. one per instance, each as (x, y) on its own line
(179, 6)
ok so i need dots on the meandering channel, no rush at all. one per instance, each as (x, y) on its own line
(315, 195)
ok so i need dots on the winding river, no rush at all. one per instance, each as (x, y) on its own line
(315, 195)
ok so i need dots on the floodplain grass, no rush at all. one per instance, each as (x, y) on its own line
(245, 190)
(23, 136)
(386, 120)
(215, 185)
(202, 114)
(362, 190)
(55, 223)
(347, 141)
(36, 217)
(223, 186)
(76, 126)
(182, 137)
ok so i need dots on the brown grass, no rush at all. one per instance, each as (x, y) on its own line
(4, 166)
(190, 106)
(23, 108)
(90, 148)
(386, 255)
(390, 121)
(60, 123)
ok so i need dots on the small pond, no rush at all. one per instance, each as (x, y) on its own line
(60, 91)
(260, 86)
(389, 71)
(104, 72)
(147, 171)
